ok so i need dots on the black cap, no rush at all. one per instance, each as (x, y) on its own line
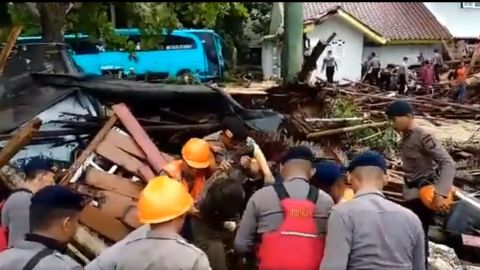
(38, 164)
(299, 152)
(368, 158)
(399, 108)
(236, 126)
(59, 197)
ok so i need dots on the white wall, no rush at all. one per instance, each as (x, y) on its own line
(461, 22)
(393, 54)
(348, 56)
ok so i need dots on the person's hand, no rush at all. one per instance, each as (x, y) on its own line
(216, 148)
(440, 203)
(245, 161)
(225, 165)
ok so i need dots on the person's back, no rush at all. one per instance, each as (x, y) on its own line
(269, 211)
(161, 251)
(385, 235)
(15, 214)
(16, 258)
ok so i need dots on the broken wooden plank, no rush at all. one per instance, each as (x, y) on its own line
(124, 142)
(131, 217)
(112, 182)
(318, 134)
(88, 241)
(125, 160)
(113, 204)
(79, 162)
(154, 156)
(104, 224)
(6, 50)
(22, 137)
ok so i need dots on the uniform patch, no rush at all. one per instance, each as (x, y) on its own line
(429, 142)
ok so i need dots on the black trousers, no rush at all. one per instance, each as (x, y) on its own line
(426, 217)
(330, 71)
(402, 83)
(374, 76)
(437, 68)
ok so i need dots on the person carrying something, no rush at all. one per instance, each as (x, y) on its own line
(163, 204)
(192, 171)
(15, 212)
(330, 178)
(403, 76)
(370, 232)
(425, 161)
(329, 65)
(374, 66)
(286, 207)
(54, 214)
(234, 137)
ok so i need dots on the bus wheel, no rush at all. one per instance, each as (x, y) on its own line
(185, 76)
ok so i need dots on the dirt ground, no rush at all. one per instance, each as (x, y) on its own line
(456, 130)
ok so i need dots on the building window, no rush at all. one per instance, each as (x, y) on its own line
(471, 5)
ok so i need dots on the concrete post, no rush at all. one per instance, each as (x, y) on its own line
(293, 40)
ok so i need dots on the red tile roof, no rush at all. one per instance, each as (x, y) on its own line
(392, 20)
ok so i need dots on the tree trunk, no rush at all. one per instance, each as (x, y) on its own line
(53, 19)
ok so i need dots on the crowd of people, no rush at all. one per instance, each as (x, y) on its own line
(311, 215)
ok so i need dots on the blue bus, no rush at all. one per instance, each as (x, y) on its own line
(197, 52)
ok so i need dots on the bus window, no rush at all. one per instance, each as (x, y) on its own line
(173, 42)
(83, 46)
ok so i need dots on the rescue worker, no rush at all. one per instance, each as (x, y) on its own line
(330, 178)
(163, 204)
(264, 213)
(108, 259)
(425, 161)
(15, 212)
(437, 62)
(234, 135)
(371, 232)
(54, 214)
(192, 170)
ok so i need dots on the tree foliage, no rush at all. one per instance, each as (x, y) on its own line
(92, 18)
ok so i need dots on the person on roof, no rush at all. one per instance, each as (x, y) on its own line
(369, 231)
(232, 138)
(54, 215)
(264, 215)
(15, 212)
(163, 204)
(425, 161)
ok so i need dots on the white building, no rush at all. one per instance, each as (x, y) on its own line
(391, 29)
(462, 19)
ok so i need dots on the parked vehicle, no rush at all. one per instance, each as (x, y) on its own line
(196, 52)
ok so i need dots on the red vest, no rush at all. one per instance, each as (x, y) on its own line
(296, 244)
(3, 233)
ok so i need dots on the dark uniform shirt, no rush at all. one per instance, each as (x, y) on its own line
(264, 213)
(422, 154)
(373, 233)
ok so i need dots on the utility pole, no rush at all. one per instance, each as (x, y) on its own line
(293, 40)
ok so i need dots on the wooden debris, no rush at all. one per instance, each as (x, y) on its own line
(23, 136)
(318, 134)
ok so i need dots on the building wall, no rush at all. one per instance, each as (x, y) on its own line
(461, 22)
(393, 54)
(347, 48)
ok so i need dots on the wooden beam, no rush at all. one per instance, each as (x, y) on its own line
(89, 150)
(21, 138)
(154, 156)
(11, 40)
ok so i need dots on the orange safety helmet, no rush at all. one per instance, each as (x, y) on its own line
(428, 192)
(197, 154)
(163, 199)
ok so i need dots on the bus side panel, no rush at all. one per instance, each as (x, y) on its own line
(171, 62)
